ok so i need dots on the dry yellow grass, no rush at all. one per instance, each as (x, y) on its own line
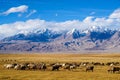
(100, 72)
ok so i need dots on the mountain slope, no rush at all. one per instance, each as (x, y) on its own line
(52, 41)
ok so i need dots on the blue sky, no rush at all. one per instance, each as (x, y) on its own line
(58, 10)
(24, 16)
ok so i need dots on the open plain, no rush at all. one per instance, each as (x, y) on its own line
(99, 73)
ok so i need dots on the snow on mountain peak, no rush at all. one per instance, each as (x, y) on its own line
(72, 31)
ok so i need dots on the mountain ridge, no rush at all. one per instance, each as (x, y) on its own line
(53, 41)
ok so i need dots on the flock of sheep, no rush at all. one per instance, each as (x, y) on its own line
(69, 66)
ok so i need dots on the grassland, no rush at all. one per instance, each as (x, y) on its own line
(100, 72)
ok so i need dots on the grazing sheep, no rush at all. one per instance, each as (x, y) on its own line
(9, 66)
(23, 66)
(41, 66)
(113, 69)
(31, 66)
(70, 66)
(89, 68)
(56, 67)
(17, 67)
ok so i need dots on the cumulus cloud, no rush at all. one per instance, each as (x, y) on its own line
(115, 14)
(21, 9)
(32, 12)
(37, 24)
(18, 27)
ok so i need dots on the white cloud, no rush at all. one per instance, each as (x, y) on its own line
(35, 24)
(115, 14)
(32, 12)
(18, 27)
(21, 9)
(88, 19)
(92, 13)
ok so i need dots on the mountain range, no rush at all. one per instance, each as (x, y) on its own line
(46, 40)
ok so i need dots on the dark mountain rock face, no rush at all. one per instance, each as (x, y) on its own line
(101, 35)
(53, 41)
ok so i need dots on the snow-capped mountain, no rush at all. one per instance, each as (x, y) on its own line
(35, 36)
(72, 40)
